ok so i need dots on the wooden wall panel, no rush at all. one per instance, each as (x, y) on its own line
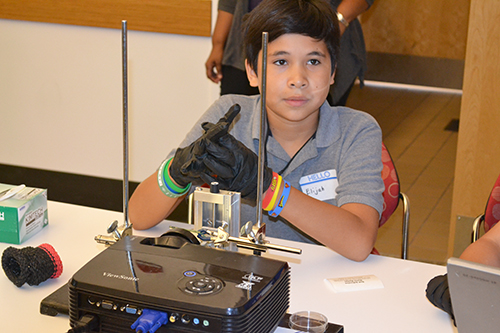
(187, 17)
(478, 152)
(428, 28)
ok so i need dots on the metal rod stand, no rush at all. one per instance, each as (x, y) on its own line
(263, 118)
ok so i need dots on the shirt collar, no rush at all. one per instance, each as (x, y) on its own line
(329, 126)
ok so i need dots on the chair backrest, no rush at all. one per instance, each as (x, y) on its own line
(392, 195)
(392, 188)
(491, 215)
(492, 212)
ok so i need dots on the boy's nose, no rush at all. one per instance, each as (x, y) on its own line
(298, 79)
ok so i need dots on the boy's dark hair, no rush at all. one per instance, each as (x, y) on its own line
(312, 18)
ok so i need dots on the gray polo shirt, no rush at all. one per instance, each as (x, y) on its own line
(347, 141)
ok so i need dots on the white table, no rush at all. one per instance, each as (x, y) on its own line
(401, 306)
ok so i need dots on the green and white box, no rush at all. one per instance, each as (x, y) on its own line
(22, 215)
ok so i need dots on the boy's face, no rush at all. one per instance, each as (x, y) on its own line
(299, 76)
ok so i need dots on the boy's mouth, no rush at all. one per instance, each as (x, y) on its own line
(296, 100)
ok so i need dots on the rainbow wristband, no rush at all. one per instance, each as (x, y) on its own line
(282, 201)
(170, 183)
(276, 193)
(166, 184)
(270, 191)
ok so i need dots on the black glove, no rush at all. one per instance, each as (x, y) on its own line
(187, 164)
(235, 166)
(215, 131)
(438, 293)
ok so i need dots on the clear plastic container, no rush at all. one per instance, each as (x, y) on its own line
(308, 321)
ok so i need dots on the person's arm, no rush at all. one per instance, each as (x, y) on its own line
(351, 9)
(213, 64)
(148, 206)
(486, 250)
(350, 230)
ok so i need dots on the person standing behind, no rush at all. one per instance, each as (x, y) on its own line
(226, 62)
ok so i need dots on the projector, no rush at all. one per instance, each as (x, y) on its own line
(194, 288)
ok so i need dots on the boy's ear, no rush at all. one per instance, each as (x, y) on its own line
(252, 75)
(332, 79)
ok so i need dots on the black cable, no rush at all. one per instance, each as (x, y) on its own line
(312, 137)
(86, 324)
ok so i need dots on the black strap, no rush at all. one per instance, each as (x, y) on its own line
(289, 162)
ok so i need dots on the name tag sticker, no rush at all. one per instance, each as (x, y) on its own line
(321, 185)
(355, 283)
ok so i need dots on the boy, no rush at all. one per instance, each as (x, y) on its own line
(308, 147)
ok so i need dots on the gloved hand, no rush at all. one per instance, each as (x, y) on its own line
(187, 164)
(235, 165)
(215, 131)
(438, 293)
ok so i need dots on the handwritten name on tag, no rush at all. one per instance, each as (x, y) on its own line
(321, 185)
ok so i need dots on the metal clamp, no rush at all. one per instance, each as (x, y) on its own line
(116, 233)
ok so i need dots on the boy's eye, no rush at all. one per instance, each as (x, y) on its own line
(314, 62)
(280, 62)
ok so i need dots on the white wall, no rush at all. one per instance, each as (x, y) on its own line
(61, 97)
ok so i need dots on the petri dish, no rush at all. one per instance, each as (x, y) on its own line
(308, 321)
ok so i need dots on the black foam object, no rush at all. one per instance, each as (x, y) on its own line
(32, 265)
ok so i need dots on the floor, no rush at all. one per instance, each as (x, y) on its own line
(420, 130)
